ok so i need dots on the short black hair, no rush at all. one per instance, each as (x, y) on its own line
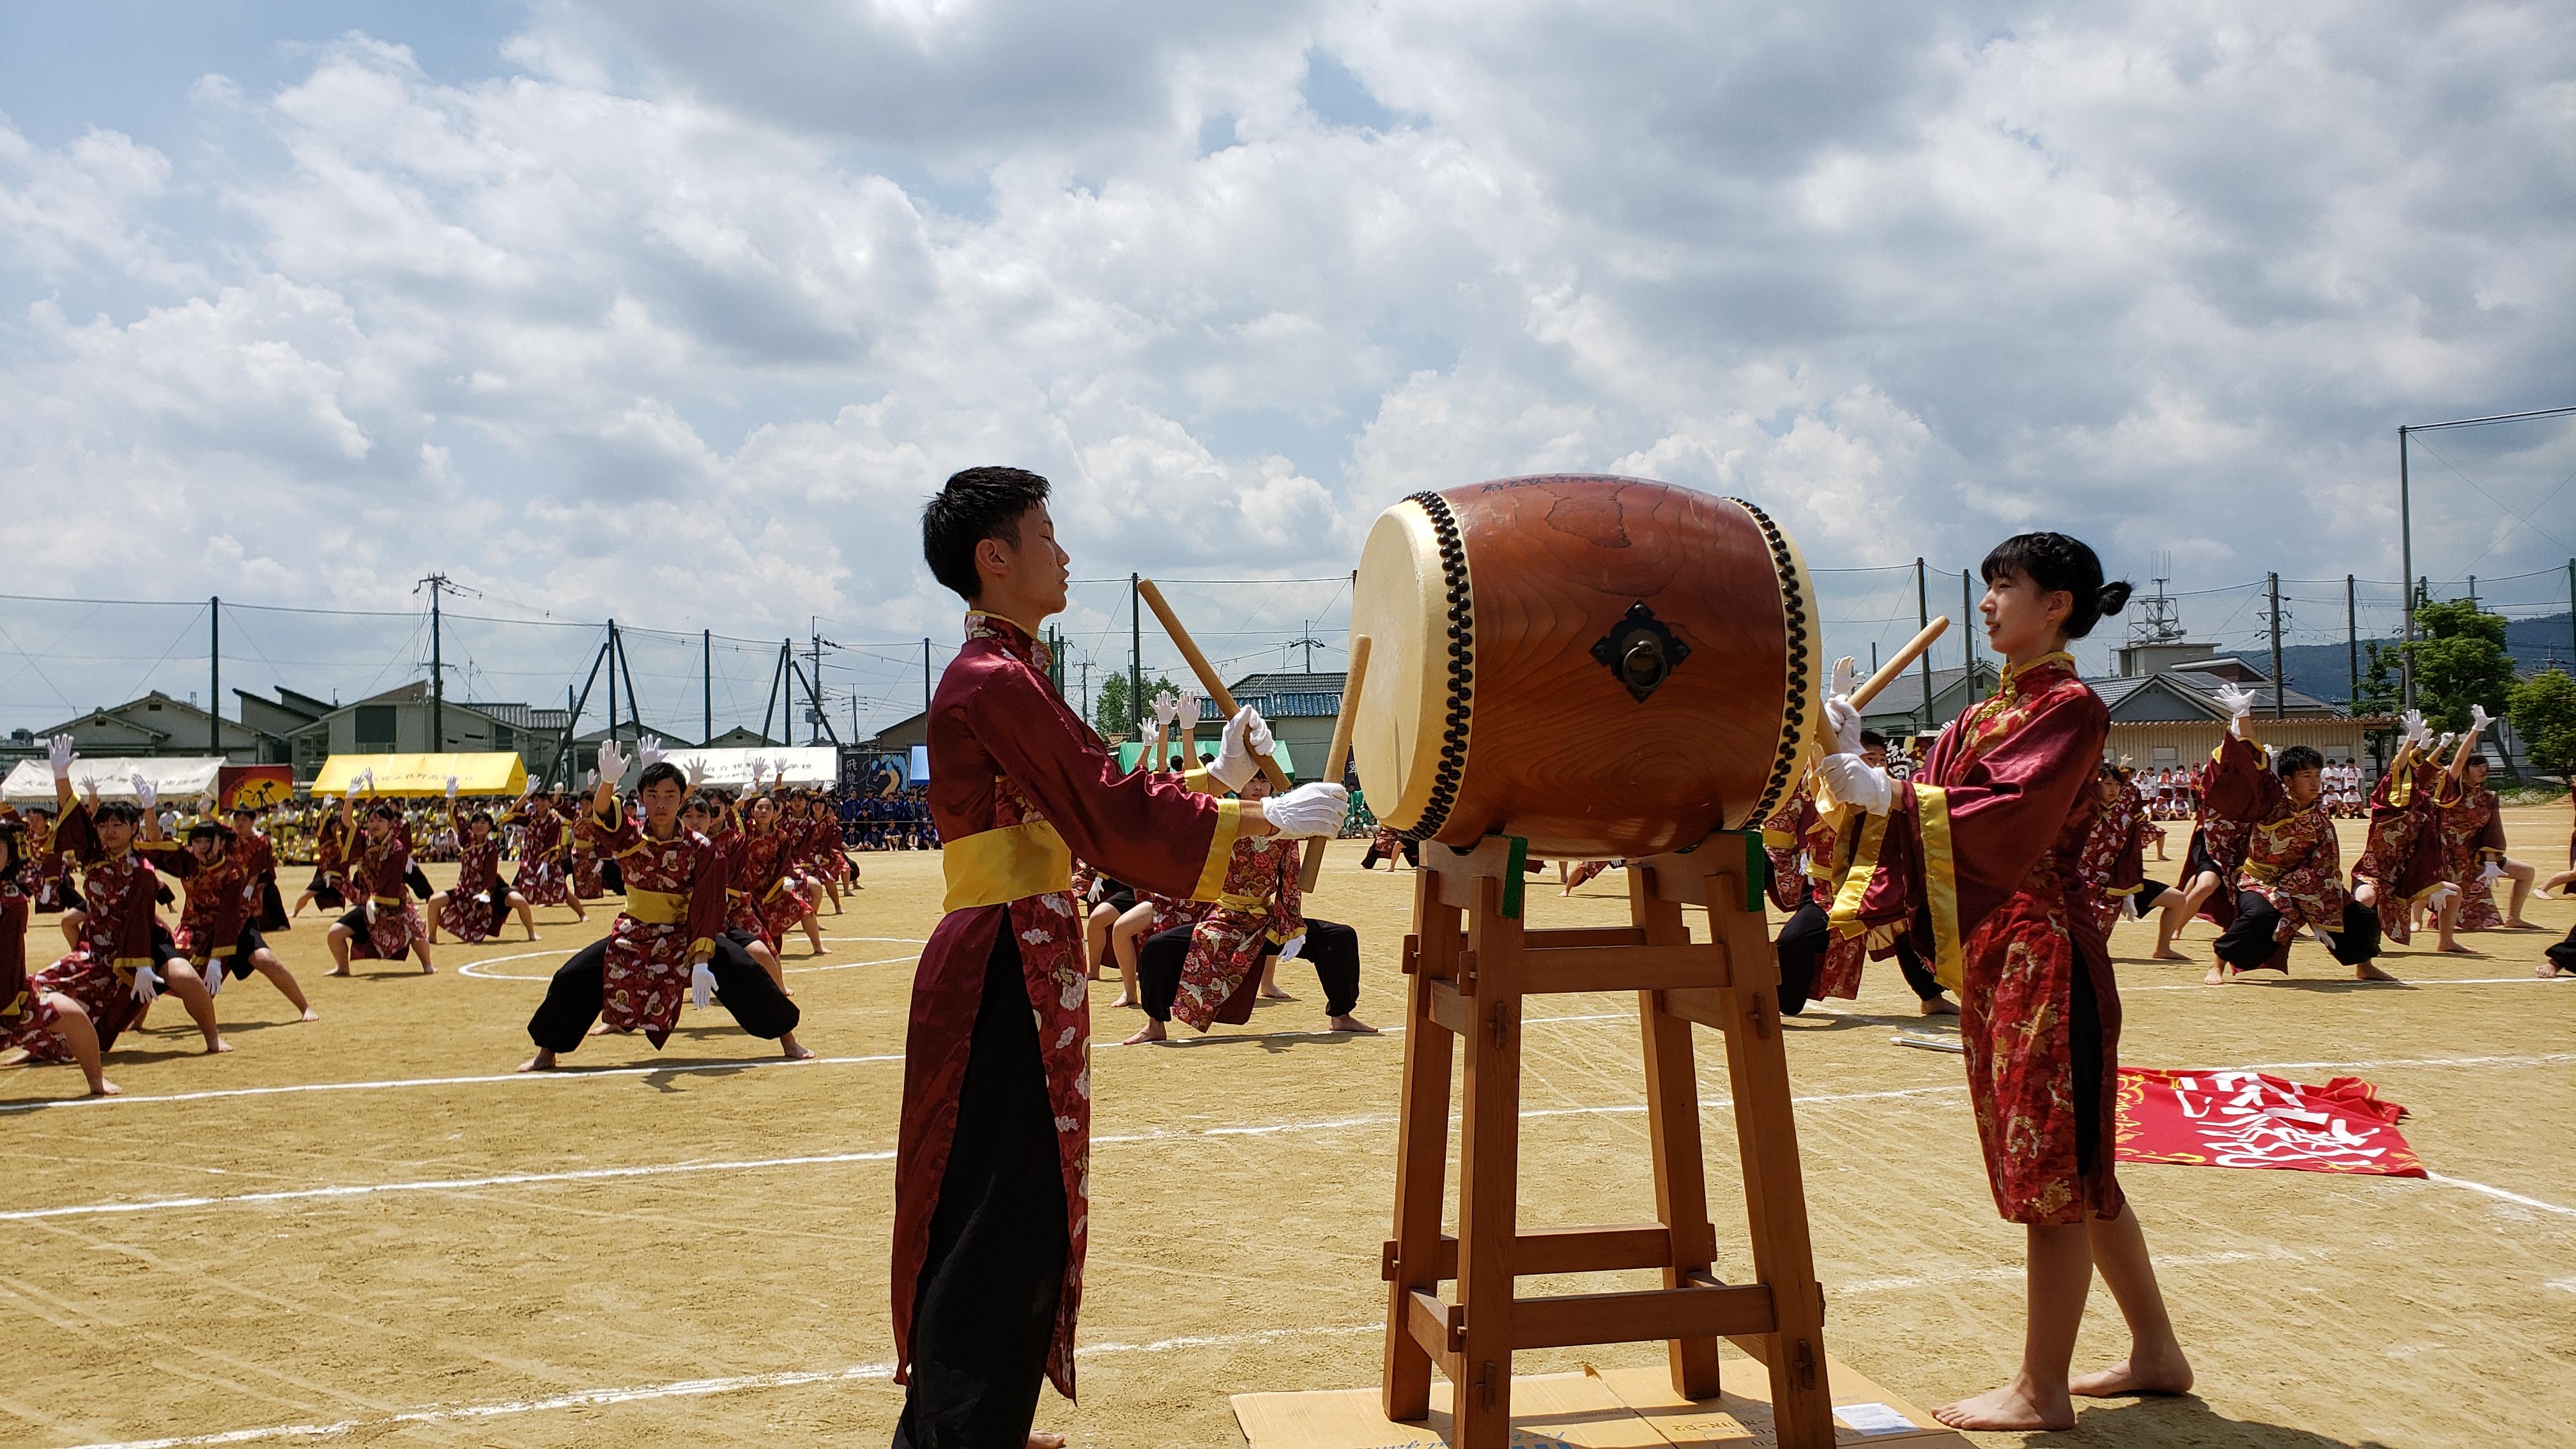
(125, 810)
(386, 810)
(2055, 561)
(972, 506)
(1872, 740)
(479, 817)
(660, 772)
(244, 810)
(12, 848)
(207, 830)
(2296, 758)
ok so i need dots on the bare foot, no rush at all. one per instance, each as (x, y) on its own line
(2168, 956)
(2011, 1407)
(2546, 971)
(2166, 1373)
(1273, 993)
(2455, 949)
(1045, 1441)
(1151, 1031)
(1123, 999)
(2217, 975)
(1939, 1006)
(428, 970)
(2519, 924)
(541, 1062)
(1348, 1022)
(311, 1015)
(2367, 972)
(105, 1088)
(216, 1046)
(337, 971)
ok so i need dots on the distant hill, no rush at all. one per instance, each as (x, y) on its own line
(2324, 669)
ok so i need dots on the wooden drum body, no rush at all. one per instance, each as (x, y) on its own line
(1610, 667)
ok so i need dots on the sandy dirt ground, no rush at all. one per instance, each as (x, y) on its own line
(368, 1230)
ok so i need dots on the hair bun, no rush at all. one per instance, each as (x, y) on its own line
(2113, 598)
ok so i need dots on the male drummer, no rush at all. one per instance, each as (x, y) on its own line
(992, 1162)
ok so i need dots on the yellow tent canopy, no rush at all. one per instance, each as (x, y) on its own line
(498, 773)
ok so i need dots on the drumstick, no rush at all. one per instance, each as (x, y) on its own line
(1888, 672)
(1206, 672)
(1339, 756)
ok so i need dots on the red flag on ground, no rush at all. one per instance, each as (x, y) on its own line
(2248, 1119)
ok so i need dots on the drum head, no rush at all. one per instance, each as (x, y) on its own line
(1400, 602)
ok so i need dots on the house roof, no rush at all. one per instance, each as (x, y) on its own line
(2197, 691)
(115, 715)
(1904, 694)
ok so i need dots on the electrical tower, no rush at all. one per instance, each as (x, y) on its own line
(2159, 621)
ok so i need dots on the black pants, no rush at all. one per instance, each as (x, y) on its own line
(1332, 946)
(236, 961)
(2563, 955)
(984, 1312)
(2248, 945)
(580, 987)
(1801, 949)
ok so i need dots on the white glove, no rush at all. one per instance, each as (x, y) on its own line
(214, 973)
(2444, 742)
(612, 764)
(2479, 719)
(1289, 948)
(1246, 735)
(2440, 896)
(1853, 781)
(451, 789)
(1308, 810)
(59, 750)
(759, 766)
(1188, 714)
(146, 985)
(2491, 874)
(696, 773)
(145, 792)
(2413, 720)
(2238, 701)
(702, 986)
(1167, 708)
(648, 751)
(1846, 677)
(1844, 721)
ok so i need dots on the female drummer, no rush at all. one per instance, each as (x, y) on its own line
(1974, 862)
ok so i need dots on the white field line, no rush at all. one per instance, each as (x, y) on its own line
(475, 969)
(1372, 1119)
(687, 1389)
(2512, 1197)
(563, 1074)
(2396, 985)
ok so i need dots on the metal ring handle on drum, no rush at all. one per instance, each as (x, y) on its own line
(1452, 765)
(1794, 610)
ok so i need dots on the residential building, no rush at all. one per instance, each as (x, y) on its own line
(2165, 710)
(158, 724)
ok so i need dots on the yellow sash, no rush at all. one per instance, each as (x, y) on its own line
(994, 867)
(657, 908)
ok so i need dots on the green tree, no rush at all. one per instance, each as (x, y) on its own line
(2460, 661)
(2382, 694)
(2544, 714)
(1114, 712)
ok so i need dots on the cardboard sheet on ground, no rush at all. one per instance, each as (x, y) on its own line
(2247, 1119)
(181, 780)
(1596, 1409)
(494, 773)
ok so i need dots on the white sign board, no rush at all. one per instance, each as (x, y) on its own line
(180, 781)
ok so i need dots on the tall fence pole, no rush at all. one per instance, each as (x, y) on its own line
(215, 676)
(611, 646)
(1923, 619)
(2406, 568)
(1968, 637)
(1135, 656)
(707, 678)
(2352, 643)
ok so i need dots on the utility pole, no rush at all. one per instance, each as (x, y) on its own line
(2571, 616)
(2406, 566)
(1306, 638)
(1086, 664)
(215, 676)
(2352, 642)
(2473, 591)
(1923, 617)
(2280, 686)
(436, 584)
(707, 677)
(1135, 656)
(612, 681)
(925, 690)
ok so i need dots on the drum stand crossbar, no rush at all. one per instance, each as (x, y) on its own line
(1466, 991)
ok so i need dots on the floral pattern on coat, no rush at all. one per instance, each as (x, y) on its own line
(1258, 910)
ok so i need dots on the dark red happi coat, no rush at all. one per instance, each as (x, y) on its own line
(1006, 750)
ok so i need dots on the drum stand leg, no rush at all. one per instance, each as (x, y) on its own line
(1468, 990)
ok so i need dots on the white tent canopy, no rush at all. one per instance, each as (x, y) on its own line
(732, 768)
(179, 780)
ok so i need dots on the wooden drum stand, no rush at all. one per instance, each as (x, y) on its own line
(1469, 989)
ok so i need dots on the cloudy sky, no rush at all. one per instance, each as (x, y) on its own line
(675, 312)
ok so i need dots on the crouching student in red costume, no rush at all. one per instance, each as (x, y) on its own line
(1975, 861)
(992, 1164)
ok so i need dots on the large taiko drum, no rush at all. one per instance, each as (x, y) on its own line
(1610, 667)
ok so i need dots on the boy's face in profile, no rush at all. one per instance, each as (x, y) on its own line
(1040, 570)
